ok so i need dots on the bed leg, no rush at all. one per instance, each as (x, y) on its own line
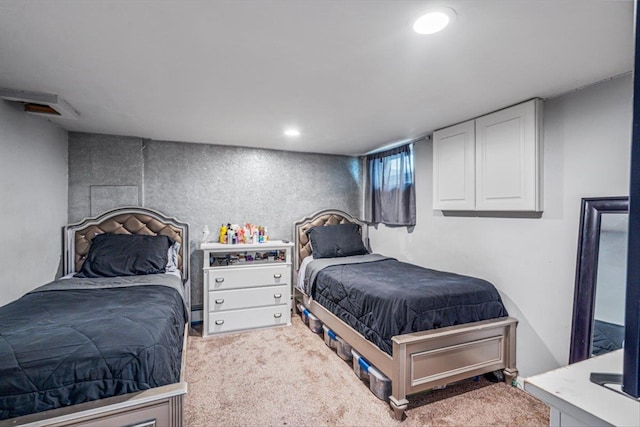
(510, 376)
(398, 406)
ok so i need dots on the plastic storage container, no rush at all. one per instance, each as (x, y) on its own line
(360, 366)
(303, 314)
(343, 349)
(379, 384)
(330, 338)
(314, 323)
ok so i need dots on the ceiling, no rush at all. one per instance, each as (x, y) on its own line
(351, 74)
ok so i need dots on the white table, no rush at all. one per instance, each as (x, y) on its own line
(576, 401)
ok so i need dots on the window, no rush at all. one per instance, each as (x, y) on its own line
(390, 192)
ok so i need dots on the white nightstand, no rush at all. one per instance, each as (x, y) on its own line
(576, 401)
(246, 286)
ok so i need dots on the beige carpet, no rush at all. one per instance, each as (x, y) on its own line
(287, 376)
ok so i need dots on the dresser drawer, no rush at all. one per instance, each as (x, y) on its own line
(247, 298)
(234, 320)
(246, 277)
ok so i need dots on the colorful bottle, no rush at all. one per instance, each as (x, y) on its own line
(223, 233)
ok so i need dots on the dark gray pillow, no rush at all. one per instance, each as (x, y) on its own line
(113, 255)
(331, 241)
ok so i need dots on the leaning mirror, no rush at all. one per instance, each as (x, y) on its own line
(598, 305)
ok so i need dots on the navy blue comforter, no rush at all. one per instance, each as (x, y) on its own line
(385, 298)
(63, 347)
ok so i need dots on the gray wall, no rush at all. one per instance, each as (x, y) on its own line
(208, 184)
(587, 137)
(33, 200)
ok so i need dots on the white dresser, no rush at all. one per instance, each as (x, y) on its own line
(246, 286)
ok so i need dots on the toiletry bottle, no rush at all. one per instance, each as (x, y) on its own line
(223, 234)
(205, 234)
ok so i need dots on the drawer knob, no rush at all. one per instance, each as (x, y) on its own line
(219, 322)
(277, 295)
(277, 276)
(219, 301)
(277, 315)
(219, 279)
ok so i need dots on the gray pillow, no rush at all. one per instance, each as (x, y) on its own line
(113, 255)
(331, 241)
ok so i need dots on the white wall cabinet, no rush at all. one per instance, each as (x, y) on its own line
(454, 173)
(491, 163)
(246, 286)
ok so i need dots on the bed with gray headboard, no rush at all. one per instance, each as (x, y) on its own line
(108, 347)
(414, 361)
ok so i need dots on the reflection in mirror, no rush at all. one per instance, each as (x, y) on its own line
(608, 326)
(602, 223)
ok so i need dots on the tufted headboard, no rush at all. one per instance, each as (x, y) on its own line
(126, 220)
(302, 248)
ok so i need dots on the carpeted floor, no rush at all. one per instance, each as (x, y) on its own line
(288, 376)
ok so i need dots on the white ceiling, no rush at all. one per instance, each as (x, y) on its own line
(351, 74)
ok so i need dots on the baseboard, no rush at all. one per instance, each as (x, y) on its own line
(518, 382)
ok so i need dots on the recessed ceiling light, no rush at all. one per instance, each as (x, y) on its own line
(434, 21)
(292, 132)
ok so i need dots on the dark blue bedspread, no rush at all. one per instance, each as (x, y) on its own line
(385, 298)
(63, 347)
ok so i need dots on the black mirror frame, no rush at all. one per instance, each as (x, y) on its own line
(587, 271)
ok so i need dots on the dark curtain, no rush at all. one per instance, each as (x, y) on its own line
(390, 191)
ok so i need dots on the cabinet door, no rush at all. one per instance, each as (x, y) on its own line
(508, 159)
(454, 167)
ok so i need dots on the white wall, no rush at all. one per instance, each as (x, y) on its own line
(531, 261)
(33, 200)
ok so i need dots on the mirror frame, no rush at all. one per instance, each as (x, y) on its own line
(587, 271)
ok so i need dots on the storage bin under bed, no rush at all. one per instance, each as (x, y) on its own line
(379, 384)
(309, 319)
(343, 349)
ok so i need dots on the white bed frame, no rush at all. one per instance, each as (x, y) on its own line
(160, 406)
(421, 360)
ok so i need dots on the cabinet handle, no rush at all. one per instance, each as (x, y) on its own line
(277, 295)
(277, 276)
(219, 279)
(277, 315)
(219, 322)
(219, 301)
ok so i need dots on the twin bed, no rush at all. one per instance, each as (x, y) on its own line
(422, 328)
(105, 344)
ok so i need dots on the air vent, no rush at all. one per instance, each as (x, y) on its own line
(43, 104)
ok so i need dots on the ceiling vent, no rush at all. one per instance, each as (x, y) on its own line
(42, 104)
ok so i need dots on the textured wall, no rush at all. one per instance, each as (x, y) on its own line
(98, 166)
(33, 200)
(210, 184)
